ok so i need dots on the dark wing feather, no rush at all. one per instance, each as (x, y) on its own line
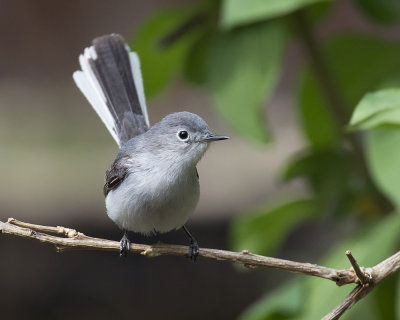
(114, 176)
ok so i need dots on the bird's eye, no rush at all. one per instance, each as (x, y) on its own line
(183, 135)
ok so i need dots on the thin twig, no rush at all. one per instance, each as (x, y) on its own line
(76, 240)
(72, 239)
(364, 278)
(182, 30)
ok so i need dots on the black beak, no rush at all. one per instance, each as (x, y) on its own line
(214, 137)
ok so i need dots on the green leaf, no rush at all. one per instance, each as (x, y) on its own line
(370, 246)
(327, 171)
(195, 68)
(244, 68)
(317, 119)
(283, 303)
(378, 109)
(263, 230)
(358, 64)
(385, 297)
(383, 11)
(239, 12)
(383, 156)
(397, 297)
(160, 63)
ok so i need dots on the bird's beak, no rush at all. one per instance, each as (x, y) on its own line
(214, 137)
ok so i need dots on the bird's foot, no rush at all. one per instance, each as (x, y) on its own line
(124, 245)
(193, 250)
(194, 246)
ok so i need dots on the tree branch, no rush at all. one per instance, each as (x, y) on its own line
(376, 275)
(70, 239)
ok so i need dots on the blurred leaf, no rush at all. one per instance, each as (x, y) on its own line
(263, 230)
(378, 109)
(383, 11)
(358, 65)
(282, 303)
(160, 63)
(332, 175)
(383, 155)
(318, 10)
(195, 68)
(370, 246)
(385, 298)
(244, 68)
(327, 171)
(317, 118)
(391, 82)
(239, 12)
(397, 297)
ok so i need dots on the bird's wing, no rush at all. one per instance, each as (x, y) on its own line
(114, 176)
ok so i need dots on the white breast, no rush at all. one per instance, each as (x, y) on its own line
(155, 199)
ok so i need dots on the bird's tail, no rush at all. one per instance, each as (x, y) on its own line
(111, 81)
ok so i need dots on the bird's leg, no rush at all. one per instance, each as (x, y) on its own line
(124, 245)
(194, 246)
(156, 235)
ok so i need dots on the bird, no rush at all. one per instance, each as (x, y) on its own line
(153, 184)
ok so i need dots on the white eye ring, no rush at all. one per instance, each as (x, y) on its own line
(183, 135)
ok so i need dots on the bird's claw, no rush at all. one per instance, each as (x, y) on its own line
(124, 246)
(193, 250)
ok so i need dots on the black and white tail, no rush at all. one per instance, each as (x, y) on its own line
(111, 81)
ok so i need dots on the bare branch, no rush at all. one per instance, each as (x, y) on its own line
(70, 239)
(363, 276)
(357, 294)
(376, 275)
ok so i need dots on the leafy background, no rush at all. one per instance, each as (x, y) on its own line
(233, 62)
(348, 105)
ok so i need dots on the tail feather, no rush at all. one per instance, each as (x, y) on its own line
(112, 82)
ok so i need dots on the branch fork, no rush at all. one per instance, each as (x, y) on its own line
(364, 276)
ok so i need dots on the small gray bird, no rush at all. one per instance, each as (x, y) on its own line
(153, 185)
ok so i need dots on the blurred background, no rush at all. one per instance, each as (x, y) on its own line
(280, 80)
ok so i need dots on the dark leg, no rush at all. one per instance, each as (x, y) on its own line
(124, 245)
(157, 236)
(194, 247)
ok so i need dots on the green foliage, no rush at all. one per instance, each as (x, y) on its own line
(397, 296)
(358, 64)
(239, 12)
(385, 298)
(160, 63)
(283, 303)
(317, 119)
(250, 230)
(238, 59)
(378, 109)
(383, 152)
(379, 238)
(312, 298)
(246, 61)
(326, 171)
(382, 11)
(196, 63)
